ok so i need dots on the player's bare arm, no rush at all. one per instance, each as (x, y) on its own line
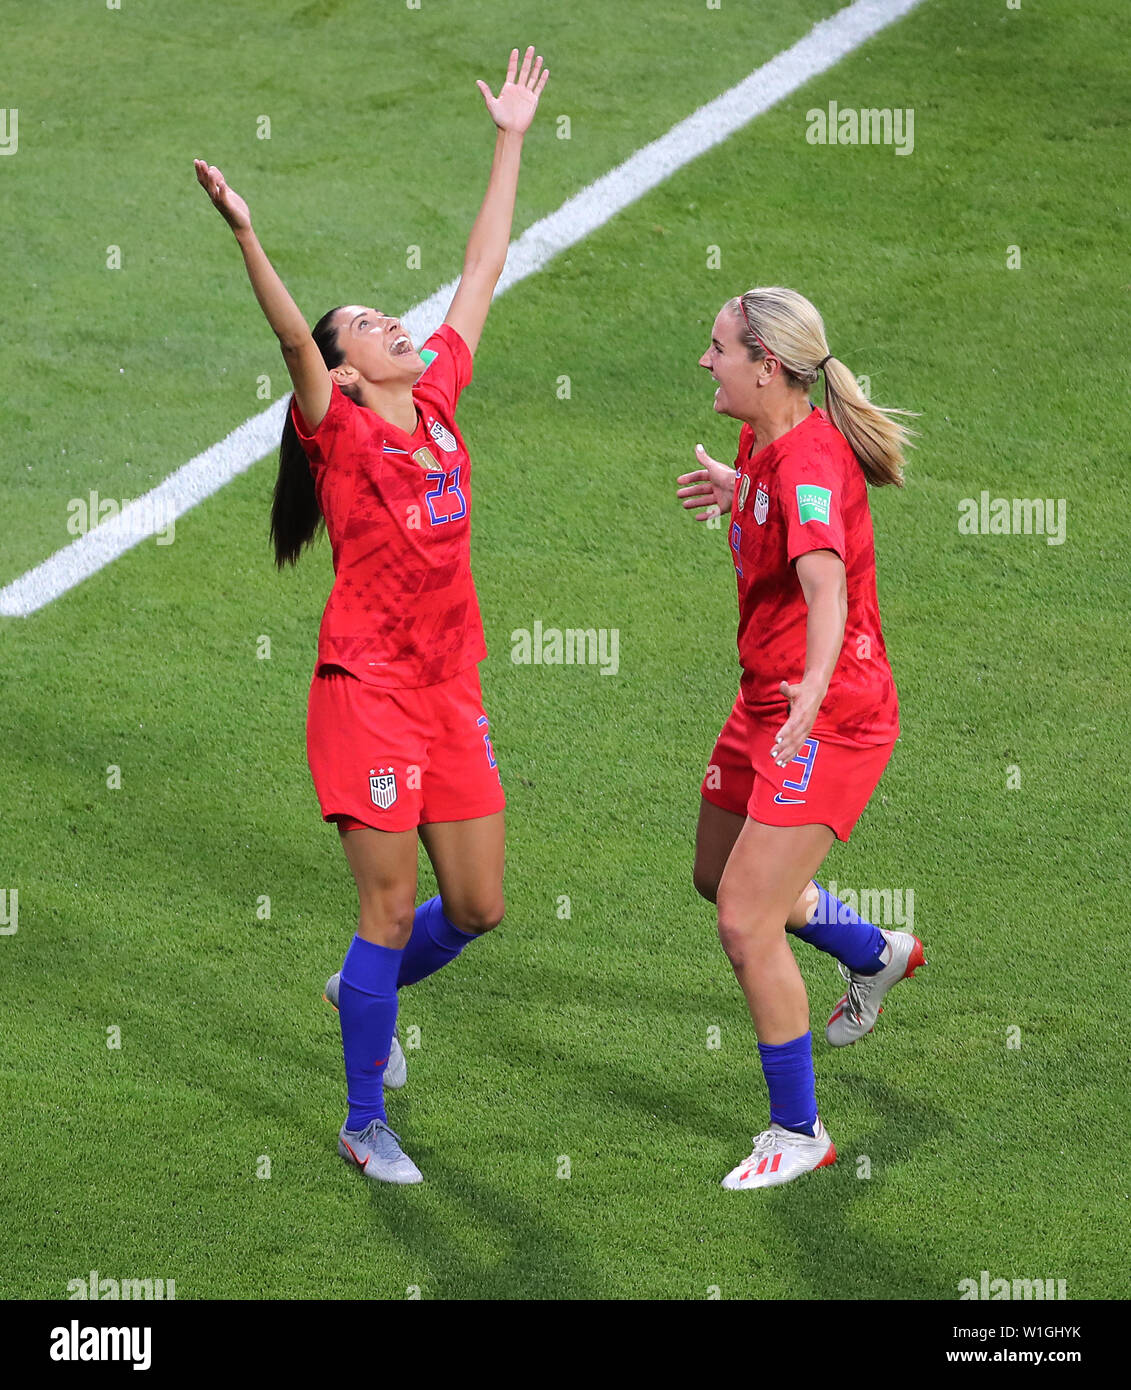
(822, 578)
(304, 362)
(512, 111)
(711, 486)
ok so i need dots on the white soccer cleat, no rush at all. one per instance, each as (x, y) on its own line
(857, 1011)
(780, 1155)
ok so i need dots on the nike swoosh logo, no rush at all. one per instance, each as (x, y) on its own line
(355, 1157)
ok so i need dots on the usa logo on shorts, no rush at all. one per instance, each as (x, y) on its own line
(443, 436)
(383, 787)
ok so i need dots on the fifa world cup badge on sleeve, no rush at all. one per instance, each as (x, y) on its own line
(383, 787)
(813, 503)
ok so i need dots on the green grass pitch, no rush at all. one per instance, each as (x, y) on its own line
(582, 1037)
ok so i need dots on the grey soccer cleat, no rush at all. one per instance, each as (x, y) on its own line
(396, 1069)
(377, 1152)
(857, 1011)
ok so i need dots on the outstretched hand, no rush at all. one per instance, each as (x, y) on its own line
(227, 201)
(513, 109)
(711, 486)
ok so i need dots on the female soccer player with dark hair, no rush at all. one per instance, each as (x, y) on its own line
(816, 716)
(397, 738)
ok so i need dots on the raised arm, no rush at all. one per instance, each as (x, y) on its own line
(308, 372)
(512, 111)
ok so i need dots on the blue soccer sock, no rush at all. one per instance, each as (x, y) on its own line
(367, 1008)
(837, 930)
(788, 1069)
(434, 942)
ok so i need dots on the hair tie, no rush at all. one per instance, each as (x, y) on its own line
(822, 362)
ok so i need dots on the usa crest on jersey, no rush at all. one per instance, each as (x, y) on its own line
(383, 787)
(761, 505)
(443, 436)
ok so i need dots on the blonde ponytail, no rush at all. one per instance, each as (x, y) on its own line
(781, 323)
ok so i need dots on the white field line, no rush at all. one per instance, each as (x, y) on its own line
(826, 44)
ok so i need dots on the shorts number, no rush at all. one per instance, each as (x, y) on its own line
(447, 485)
(481, 723)
(805, 757)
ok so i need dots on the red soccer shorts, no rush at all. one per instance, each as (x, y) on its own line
(396, 759)
(825, 784)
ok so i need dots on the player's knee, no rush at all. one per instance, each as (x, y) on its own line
(741, 939)
(734, 939)
(387, 924)
(477, 915)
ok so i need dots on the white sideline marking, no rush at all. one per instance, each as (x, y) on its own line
(825, 44)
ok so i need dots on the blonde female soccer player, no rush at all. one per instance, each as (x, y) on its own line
(397, 738)
(816, 716)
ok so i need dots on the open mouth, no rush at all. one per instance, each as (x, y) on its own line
(400, 345)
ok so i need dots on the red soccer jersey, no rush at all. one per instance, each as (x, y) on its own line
(403, 611)
(806, 491)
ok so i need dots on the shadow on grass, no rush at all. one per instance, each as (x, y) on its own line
(537, 1259)
(823, 1214)
(822, 1217)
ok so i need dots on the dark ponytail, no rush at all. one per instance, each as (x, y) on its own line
(295, 517)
